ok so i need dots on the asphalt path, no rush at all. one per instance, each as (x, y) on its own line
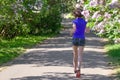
(52, 60)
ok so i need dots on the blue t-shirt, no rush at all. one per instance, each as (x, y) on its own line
(80, 28)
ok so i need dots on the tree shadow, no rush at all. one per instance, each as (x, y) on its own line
(46, 58)
(64, 40)
(57, 51)
(91, 59)
(64, 76)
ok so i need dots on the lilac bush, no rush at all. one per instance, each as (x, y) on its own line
(103, 18)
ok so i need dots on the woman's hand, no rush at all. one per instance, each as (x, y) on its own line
(87, 30)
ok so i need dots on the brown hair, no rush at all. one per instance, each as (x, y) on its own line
(77, 13)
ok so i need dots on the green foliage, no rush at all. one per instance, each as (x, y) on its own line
(23, 18)
(112, 25)
(28, 17)
(113, 52)
(9, 54)
(112, 30)
(90, 24)
(118, 75)
(67, 5)
(9, 49)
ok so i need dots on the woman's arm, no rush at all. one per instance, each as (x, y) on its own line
(73, 29)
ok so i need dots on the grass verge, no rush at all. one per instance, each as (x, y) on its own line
(113, 52)
(10, 49)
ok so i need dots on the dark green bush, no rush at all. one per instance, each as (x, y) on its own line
(30, 17)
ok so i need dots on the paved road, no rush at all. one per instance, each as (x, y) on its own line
(52, 60)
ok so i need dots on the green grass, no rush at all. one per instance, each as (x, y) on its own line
(113, 52)
(10, 49)
(69, 16)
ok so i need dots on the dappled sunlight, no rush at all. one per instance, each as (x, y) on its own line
(20, 70)
(96, 49)
(92, 59)
(47, 58)
(32, 71)
(50, 49)
(52, 60)
(36, 39)
(96, 71)
(64, 49)
(63, 76)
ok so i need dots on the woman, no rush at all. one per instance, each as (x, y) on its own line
(78, 40)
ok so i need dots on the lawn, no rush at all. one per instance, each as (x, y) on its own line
(10, 49)
(113, 52)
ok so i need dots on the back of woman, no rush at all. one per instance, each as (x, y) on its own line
(78, 41)
(80, 28)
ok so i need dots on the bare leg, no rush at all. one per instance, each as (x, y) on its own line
(80, 53)
(75, 57)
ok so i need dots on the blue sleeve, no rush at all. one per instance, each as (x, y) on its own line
(74, 21)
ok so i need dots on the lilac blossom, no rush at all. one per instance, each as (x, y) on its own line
(119, 20)
(93, 3)
(107, 16)
(86, 13)
(101, 31)
(38, 5)
(99, 15)
(101, 25)
(117, 41)
(82, 1)
(77, 5)
(115, 4)
(96, 15)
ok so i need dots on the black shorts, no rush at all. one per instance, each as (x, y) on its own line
(78, 42)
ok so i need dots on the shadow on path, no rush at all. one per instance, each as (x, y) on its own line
(58, 52)
(63, 77)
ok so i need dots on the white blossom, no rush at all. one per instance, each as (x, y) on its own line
(117, 40)
(101, 31)
(119, 20)
(107, 16)
(115, 4)
(99, 15)
(101, 25)
(38, 5)
(93, 3)
(77, 5)
(86, 13)
(96, 15)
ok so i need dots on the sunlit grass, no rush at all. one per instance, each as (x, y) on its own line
(118, 74)
(69, 16)
(113, 52)
(10, 49)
